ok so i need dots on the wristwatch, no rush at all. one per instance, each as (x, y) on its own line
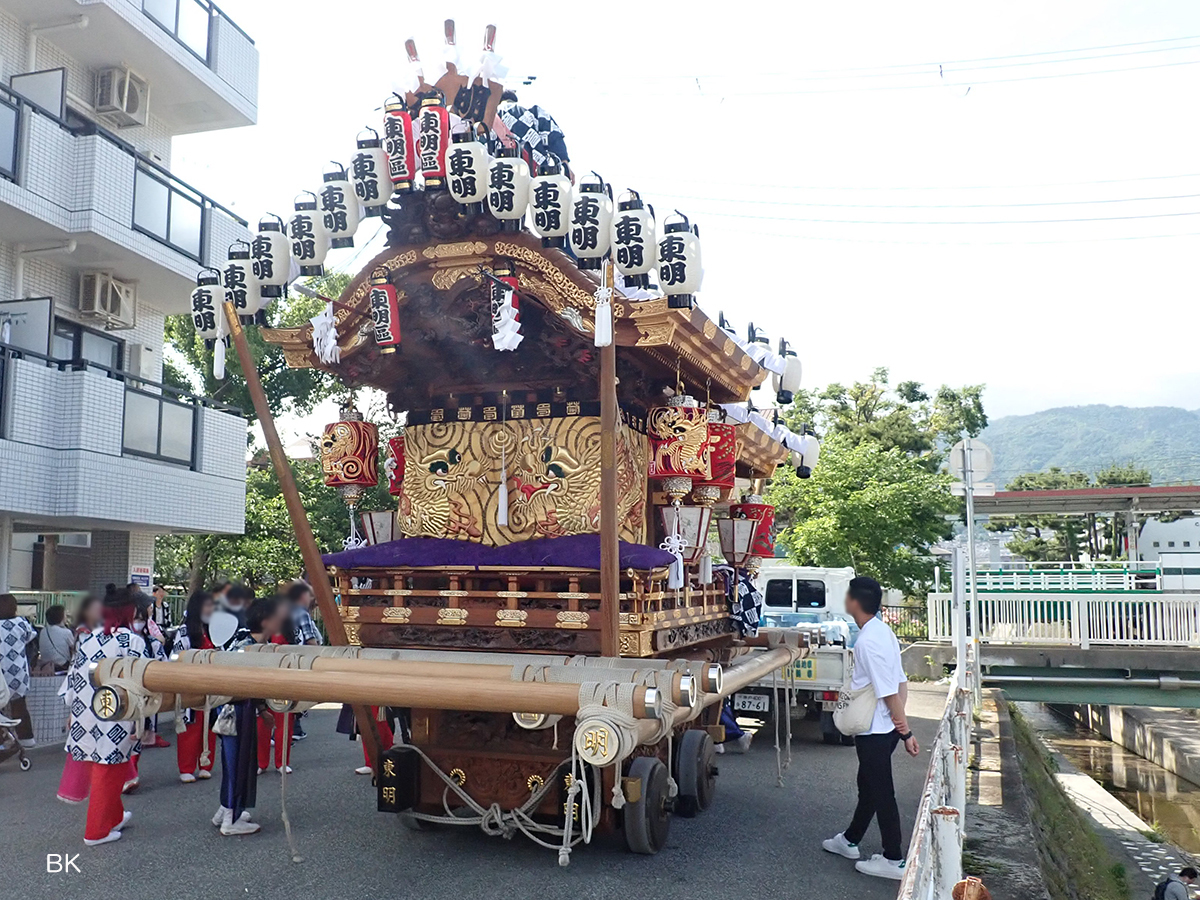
(905, 737)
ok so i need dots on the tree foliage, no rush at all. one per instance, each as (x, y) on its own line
(1061, 538)
(872, 507)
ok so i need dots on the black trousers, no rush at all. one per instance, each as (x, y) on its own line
(876, 793)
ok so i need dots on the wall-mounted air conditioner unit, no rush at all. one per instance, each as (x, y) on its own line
(104, 298)
(122, 98)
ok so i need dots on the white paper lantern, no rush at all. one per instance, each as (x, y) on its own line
(550, 204)
(369, 173)
(810, 450)
(633, 241)
(271, 254)
(237, 276)
(508, 188)
(591, 223)
(467, 170)
(339, 206)
(788, 383)
(207, 297)
(679, 272)
(308, 234)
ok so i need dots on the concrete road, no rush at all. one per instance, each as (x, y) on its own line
(758, 840)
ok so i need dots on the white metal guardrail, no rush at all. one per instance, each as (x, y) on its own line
(1080, 619)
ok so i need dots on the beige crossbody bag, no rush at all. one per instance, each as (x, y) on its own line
(855, 711)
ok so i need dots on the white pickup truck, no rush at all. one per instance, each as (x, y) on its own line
(813, 599)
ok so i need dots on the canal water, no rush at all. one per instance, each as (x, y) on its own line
(1159, 797)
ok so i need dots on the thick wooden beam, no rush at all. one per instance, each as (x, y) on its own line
(610, 571)
(309, 552)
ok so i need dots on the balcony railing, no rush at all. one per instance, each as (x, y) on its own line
(164, 207)
(159, 421)
(191, 22)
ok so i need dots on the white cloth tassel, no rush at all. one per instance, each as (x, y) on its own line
(219, 360)
(706, 569)
(674, 544)
(502, 505)
(604, 322)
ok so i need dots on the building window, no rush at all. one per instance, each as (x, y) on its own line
(167, 213)
(71, 341)
(1156, 543)
(1187, 543)
(1170, 543)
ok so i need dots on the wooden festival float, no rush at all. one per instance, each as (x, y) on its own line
(548, 609)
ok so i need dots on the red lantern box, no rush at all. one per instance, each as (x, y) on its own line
(384, 303)
(764, 514)
(679, 442)
(722, 455)
(349, 454)
(400, 145)
(433, 141)
(395, 466)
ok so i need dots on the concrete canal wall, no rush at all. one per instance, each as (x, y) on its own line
(1167, 737)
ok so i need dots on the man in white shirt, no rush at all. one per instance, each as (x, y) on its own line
(877, 663)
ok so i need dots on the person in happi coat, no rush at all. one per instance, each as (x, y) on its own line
(15, 635)
(196, 745)
(265, 619)
(104, 748)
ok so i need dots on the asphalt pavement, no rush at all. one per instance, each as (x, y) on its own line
(757, 840)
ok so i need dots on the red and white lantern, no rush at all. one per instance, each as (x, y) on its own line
(385, 310)
(433, 141)
(394, 465)
(400, 145)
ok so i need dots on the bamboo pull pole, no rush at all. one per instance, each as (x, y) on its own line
(300, 525)
(610, 571)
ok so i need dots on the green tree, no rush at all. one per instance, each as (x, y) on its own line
(872, 507)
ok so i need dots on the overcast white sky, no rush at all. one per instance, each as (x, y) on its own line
(766, 124)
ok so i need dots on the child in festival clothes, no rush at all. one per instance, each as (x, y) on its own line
(104, 748)
(196, 745)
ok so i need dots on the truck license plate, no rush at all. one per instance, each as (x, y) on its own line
(828, 705)
(752, 702)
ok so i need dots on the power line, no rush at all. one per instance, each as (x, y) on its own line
(844, 240)
(952, 222)
(930, 187)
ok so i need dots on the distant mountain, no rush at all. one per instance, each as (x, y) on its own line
(1164, 439)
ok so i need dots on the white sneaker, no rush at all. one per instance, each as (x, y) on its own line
(124, 820)
(287, 769)
(363, 770)
(187, 777)
(880, 867)
(718, 748)
(113, 835)
(743, 743)
(241, 826)
(222, 816)
(204, 773)
(842, 847)
(260, 771)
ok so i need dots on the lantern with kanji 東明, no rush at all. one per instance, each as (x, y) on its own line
(679, 454)
(591, 222)
(633, 241)
(679, 272)
(394, 465)
(787, 383)
(508, 188)
(550, 203)
(339, 206)
(384, 303)
(271, 254)
(764, 515)
(400, 145)
(722, 457)
(369, 173)
(308, 234)
(349, 462)
(237, 276)
(207, 297)
(433, 141)
(467, 166)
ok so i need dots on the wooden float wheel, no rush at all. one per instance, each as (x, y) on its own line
(648, 819)
(695, 772)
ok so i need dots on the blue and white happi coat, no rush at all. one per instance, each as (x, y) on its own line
(90, 739)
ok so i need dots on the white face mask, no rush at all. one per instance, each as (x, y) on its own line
(139, 626)
(205, 618)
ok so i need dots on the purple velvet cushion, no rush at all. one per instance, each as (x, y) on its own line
(578, 551)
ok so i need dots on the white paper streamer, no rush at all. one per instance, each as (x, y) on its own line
(604, 320)
(490, 68)
(506, 330)
(325, 336)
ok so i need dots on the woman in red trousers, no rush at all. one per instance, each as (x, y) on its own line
(191, 743)
(105, 748)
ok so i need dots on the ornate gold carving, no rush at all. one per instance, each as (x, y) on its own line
(444, 279)
(449, 593)
(298, 359)
(352, 637)
(566, 289)
(515, 594)
(349, 613)
(458, 776)
(396, 614)
(534, 783)
(710, 328)
(729, 347)
(634, 619)
(654, 334)
(461, 248)
(597, 743)
(449, 616)
(573, 595)
(511, 618)
(571, 619)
